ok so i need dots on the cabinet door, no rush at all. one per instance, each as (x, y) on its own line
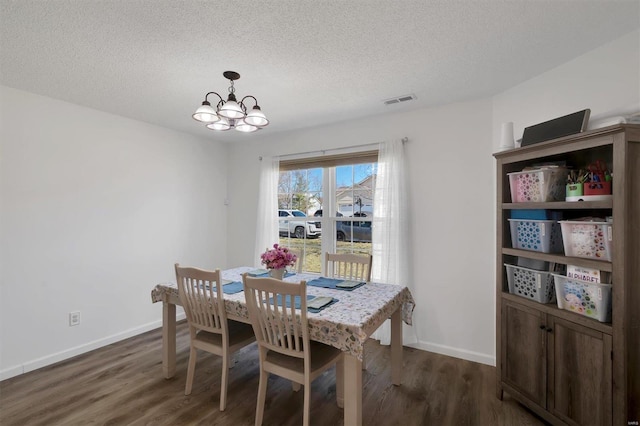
(579, 359)
(523, 351)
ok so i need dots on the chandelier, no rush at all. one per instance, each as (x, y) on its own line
(231, 114)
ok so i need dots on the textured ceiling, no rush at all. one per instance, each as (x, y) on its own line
(308, 62)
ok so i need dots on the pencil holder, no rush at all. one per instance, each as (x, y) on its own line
(597, 188)
(574, 190)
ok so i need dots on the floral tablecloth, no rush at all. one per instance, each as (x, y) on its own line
(344, 325)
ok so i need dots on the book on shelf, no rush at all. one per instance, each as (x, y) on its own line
(591, 275)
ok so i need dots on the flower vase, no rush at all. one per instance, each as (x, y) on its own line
(277, 273)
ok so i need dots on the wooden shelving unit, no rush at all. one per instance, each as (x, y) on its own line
(568, 368)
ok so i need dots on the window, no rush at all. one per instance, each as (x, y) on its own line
(335, 195)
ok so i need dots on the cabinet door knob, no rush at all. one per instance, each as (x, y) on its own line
(542, 327)
(549, 330)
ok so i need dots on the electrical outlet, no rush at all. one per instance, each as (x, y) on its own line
(74, 318)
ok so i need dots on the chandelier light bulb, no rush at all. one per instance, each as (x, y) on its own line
(231, 109)
(222, 124)
(256, 117)
(206, 114)
(243, 126)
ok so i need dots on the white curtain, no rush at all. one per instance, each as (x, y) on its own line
(391, 243)
(267, 222)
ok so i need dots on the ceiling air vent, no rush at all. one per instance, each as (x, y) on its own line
(399, 99)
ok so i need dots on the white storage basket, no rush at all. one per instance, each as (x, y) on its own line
(592, 300)
(530, 283)
(538, 185)
(591, 240)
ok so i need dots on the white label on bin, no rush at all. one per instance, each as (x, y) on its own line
(538, 281)
(610, 232)
(542, 229)
(599, 293)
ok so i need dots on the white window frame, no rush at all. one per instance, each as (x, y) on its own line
(329, 188)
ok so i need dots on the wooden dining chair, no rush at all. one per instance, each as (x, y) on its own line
(348, 266)
(300, 259)
(209, 328)
(282, 333)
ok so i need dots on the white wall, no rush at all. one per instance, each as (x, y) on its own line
(95, 210)
(451, 189)
(452, 184)
(605, 80)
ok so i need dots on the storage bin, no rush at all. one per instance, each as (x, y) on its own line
(575, 190)
(539, 265)
(538, 214)
(538, 185)
(590, 240)
(531, 284)
(592, 300)
(536, 235)
(597, 188)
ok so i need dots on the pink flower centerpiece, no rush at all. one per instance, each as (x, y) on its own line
(277, 259)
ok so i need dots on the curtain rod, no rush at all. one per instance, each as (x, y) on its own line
(324, 151)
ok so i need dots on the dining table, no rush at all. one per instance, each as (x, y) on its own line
(346, 324)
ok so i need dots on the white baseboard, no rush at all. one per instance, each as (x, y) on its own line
(455, 352)
(11, 372)
(79, 350)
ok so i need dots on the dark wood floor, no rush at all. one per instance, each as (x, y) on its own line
(122, 384)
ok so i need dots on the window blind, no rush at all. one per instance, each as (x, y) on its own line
(329, 160)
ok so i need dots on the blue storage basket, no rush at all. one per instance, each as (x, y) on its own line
(536, 235)
(538, 214)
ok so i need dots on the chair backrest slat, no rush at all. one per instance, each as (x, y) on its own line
(348, 266)
(300, 259)
(278, 327)
(200, 293)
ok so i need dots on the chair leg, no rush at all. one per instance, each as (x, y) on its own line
(262, 395)
(307, 402)
(191, 369)
(225, 380)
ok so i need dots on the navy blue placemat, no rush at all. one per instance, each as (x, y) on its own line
(296, 303)
(332, 283)
(232, 287)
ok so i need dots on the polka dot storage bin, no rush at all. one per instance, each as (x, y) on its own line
(590, 240)
(538, 186)
(592, 300)
(536, 235)
(531, 284)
